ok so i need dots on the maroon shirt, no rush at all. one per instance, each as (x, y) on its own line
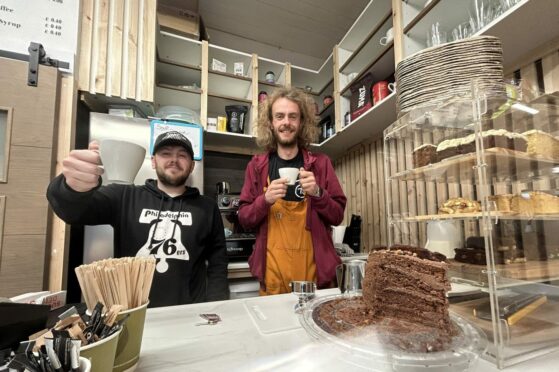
(322, 213)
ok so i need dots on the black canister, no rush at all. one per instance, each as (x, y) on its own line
(236, 118)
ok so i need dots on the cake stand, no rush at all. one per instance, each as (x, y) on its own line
(373, 352)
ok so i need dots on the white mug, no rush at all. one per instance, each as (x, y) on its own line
(122, 160)
(289, 173)
(392, 87)
(388, 38)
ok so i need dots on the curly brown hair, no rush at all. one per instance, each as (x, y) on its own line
(309, 131)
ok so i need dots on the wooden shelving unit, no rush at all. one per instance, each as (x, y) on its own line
(368, 125)
(538, 16)
(462, 216)
(166, 94)
(532, 271)
(500, 163)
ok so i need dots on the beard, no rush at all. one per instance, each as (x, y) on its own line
(286, 142)
(169, 180)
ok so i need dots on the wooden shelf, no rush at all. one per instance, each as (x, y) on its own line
(273, 85)
(229, 75)
(318, 80)
(368, 125)
(170, 73)
(374, 14)
(328, 108)
(229, 57)
(368, 51)
(461, 216)
(535, 271)
(538, 16)
(501, 163)
(230, 142)
(232, 100)
(169, 95)
(225, 85)
(178, 49)
(265, 65)
(418, 8)
(381, 68)
(101, 103)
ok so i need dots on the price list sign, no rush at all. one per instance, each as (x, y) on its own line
(53, 23)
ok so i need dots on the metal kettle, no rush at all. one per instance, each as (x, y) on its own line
(222, 187)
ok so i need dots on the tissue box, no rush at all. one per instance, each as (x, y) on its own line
(239, 68)
(212, 125)
(180, 21)
(217, 65)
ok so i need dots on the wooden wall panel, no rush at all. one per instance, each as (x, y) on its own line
(86, 40)
(24, 210)
(361, 174)
(117, 48)
(58, 239)
(23, 264)
(130, 53)
(146, 74)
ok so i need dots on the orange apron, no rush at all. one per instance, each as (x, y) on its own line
(289, 253)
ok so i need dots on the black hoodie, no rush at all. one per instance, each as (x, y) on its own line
(147, 221)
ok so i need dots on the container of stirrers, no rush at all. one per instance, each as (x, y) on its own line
(127, 282)
(117, 281)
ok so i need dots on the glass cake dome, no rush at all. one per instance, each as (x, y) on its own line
(374, 350)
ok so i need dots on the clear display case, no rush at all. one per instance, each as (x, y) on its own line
(476, 178)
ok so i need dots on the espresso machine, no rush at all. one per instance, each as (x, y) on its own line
(239, 242)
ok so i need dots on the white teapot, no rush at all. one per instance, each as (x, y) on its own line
(443, 236)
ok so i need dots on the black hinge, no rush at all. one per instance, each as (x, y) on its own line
(37, 56)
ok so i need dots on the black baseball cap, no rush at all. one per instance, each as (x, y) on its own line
(172, 138)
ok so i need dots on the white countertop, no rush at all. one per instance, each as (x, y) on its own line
(239, 265)
(241, 342)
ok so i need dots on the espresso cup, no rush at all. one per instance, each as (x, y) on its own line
(350, 276)
(289, 173)
(121, 159)
(388, 38)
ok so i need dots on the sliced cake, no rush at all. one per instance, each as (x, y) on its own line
(410, 284)
(424, 155)
(542, 144)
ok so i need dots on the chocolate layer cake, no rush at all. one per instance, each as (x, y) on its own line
(410, 284)
(424, 155)
(351, 318)
(449, 148)
(492, 138)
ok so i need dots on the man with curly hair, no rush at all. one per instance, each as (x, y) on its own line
(293, 222)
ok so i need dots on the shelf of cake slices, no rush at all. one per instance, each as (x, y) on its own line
(511, 140)
(526, 205)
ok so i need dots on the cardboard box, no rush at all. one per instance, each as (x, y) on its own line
(361, 99)
(217, 65)
(239, 68)
(181, 21)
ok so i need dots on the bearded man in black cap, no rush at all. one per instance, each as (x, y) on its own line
(164, 218)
